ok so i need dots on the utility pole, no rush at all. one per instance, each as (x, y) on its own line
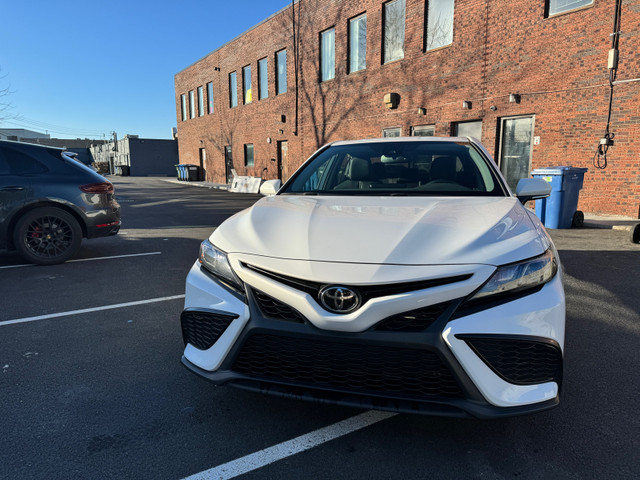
(112, 168)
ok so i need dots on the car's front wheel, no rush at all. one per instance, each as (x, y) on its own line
(47, 236)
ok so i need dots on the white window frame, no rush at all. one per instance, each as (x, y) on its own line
(398, 37)
(439, 19)
(247, 92)
(566, 6)
(328, 54)
(263, 87)
(233, 89)
(357, 58)
(281, 86)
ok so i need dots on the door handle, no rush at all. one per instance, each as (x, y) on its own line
(11, 189)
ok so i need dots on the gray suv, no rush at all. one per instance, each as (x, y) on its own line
(49, 202)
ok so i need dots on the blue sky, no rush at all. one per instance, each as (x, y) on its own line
(86, 68)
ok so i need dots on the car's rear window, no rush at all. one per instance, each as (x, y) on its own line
(397, 168)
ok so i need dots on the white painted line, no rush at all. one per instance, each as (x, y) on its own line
(89, 310)
(115, 256)
(291, 447)
(89, 259)
(19, 266)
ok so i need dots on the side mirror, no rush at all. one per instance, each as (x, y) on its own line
(270, 187)
(532, 189)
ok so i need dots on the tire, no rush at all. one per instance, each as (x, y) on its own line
(47, 236)
(578, 219)
(635, 233)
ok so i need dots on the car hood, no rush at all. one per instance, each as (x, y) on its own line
(384, 230)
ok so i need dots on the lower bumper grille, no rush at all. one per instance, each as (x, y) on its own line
(275, 309)
(203, 329)
(414, 320)
(519, 361)
(357, 368)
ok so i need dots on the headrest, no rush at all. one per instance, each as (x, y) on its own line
(358, 169)
(443, 168)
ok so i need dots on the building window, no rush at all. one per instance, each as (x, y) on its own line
(192, 105)
(423, 131)
(358, 43)
(281, 72)
(392, 132)
(559, 6)
(263, 79)
(246, 84)
(183, 106)
(200, 101)
(328, 54)
(248, 154)
(439, 24)
(233, 90)
(469, 129)
(210, 97)
(393, 34)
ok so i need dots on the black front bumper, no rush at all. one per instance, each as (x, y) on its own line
(413, 372)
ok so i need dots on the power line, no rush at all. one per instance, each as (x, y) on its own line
(53, 126)
(61, 131)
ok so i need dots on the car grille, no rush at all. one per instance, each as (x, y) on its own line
(203, 329)
(522, 362)
(367, 291)
(275, 309)
(357, 368)
(414, 320)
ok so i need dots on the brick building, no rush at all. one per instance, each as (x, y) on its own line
(530, 78)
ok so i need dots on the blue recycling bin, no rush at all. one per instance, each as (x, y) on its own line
(559, 210)
(183, 172)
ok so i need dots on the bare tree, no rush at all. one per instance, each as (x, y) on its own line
(5, 104)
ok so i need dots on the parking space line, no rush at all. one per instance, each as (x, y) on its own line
(88, 259)
(286, 449)
(89, 310)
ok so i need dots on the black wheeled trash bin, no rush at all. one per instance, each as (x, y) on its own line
(194, 173)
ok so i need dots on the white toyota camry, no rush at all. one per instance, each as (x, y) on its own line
(397, 274)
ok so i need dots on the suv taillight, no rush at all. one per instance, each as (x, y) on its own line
(104, 187)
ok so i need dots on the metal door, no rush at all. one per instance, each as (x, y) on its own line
(283, 159)
(203, 162)
(516, 139)
(228, 163)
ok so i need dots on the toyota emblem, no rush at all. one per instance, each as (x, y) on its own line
(338, 299)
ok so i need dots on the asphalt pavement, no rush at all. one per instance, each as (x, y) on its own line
(91, 384)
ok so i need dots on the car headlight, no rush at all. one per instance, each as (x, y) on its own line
(216, 262)
(520, 276)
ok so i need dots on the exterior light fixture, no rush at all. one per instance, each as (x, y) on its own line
(493, 108)
(466, 105)
(391, 100)
(422, 111)
(514, 98)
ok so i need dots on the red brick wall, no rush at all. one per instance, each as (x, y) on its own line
(558, 65)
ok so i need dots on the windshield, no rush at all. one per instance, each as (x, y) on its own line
(397, 168)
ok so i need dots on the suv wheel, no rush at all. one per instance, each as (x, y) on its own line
(47, 236)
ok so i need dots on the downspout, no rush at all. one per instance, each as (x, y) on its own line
(295, 59)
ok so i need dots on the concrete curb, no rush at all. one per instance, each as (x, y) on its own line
(217, 186)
